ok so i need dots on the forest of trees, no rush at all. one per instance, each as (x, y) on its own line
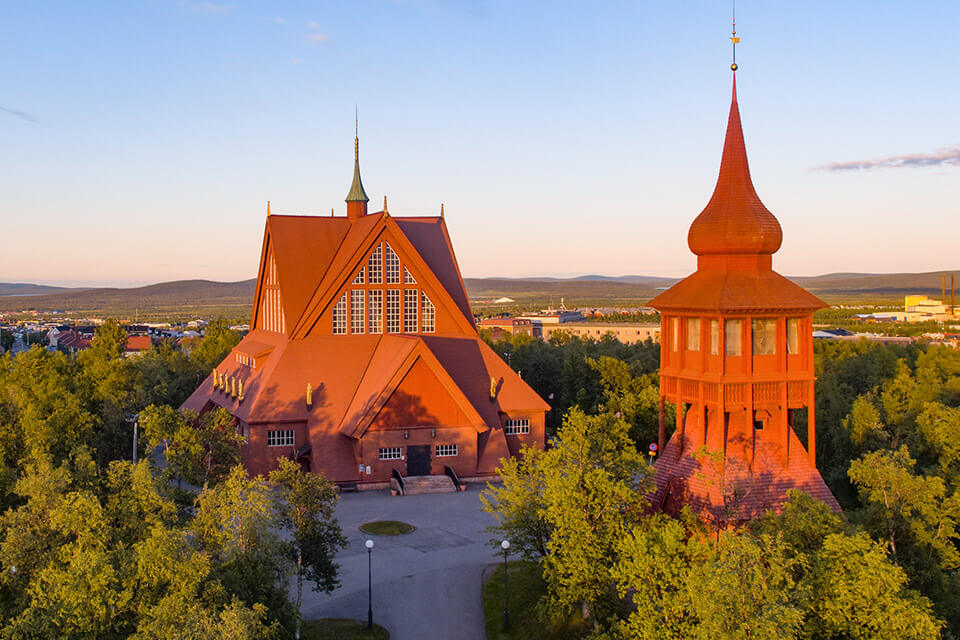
(95, 546)
(888, 446)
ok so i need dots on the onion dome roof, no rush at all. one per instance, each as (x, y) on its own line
(734, 221)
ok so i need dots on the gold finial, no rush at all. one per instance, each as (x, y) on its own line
(493, 388)
(441, 209)
(733, 37)
(331, 212)
(216, 379)
(356, 133)
(309, 395)
(233, 386)
(385, 204)
(268, 208)
(240, 391)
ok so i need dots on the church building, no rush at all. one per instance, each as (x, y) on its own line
(736, 361)
(364, 358)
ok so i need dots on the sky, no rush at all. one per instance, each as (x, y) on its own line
(141, 140)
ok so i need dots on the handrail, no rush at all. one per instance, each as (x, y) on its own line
(399, 479)
(453, 476)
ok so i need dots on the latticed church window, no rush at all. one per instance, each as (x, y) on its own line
(428, 315)
(410, 310)
(375, 311)
(375, 266)
(340, 315)
(408, 277)
(359, 279)
(393, 311)
(393, 266)
(358, 310)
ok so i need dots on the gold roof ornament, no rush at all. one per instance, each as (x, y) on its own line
(441, 209)
(240, 391)
(493, 388)
(309, 395)
(233, 387)
(268, 208)
(385, 205)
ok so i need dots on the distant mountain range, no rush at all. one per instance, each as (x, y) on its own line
(199, 297)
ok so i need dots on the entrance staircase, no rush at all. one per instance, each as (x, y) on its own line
(428, 484)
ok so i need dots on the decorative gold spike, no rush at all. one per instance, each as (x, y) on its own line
(385, 204)
(493, 388)
(216, 381)
(240, 391)
(233, 387)
(331, 212)
(309, 395)
(441, 209)
(268, 208)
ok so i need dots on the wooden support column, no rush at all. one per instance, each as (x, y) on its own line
(811, 426)
(662, 434)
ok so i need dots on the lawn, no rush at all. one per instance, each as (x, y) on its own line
(387, 528)
(341, 629)
(526, 588)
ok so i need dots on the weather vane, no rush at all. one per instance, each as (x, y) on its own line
(733, 37)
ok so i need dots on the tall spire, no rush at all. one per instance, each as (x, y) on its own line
(735, 221)
(357, 198)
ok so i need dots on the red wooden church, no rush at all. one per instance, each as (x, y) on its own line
(363, 356)
(736, 360)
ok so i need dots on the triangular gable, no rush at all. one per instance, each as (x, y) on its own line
(381, 381)
(343, 271)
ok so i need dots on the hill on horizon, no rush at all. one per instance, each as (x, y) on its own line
(184, 298)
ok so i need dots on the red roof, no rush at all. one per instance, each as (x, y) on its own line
(138, 343)
(750, 491)
(734, 238)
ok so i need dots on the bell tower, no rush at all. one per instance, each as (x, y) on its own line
(736, 360)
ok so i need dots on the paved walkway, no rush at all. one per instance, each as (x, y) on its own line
(426, 584)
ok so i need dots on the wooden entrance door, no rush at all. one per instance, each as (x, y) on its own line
(418, 460)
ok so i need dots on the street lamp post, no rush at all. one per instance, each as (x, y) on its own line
(134, 418)
(505, 545)
(369, 545)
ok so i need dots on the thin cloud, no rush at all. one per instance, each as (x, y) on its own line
(318, 37)
(313, 25)
(208, 8)
(23, 115)
(939, 158)
(296, 60)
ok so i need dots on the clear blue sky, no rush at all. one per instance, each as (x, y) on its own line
(141, 139)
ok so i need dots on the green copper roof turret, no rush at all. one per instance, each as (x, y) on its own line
(357, 194)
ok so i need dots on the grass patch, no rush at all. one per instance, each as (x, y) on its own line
(526, 589)
(387, 528)
(341, 629)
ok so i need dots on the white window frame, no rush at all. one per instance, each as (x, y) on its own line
(359, 279)
(375, 311)
(375, 266)
(390, 453)
(340, 316)
(358, 310)
(516, 426)
(280, 438)
(392, 266)
(446, 450)
(408, 277)
(428, 314)
(411, 316)
(394, 315)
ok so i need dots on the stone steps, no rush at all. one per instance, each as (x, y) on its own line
(428, 484)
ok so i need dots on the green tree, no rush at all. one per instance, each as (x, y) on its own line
(306, 512)
(200, 449)
(218, 340)
(518, 505)
(594, 495)
(858, 594)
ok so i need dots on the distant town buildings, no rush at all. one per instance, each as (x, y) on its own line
(915, 309)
